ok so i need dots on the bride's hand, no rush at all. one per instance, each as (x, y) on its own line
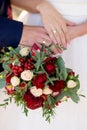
(55, 24)
(77, 31)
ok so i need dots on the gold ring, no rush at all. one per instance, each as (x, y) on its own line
(44, 42)
(54, 31)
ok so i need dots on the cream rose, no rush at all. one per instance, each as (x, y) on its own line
(27, 75)
(36, 92)
(15, 81)
(47, 90)
(24, 51)
(71, 84)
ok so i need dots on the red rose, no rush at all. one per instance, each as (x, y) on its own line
(50, 68)
(50, 59)
(39, 80)
(32, 102)
(58, 85)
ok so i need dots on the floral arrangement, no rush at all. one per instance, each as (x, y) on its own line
(34, 78)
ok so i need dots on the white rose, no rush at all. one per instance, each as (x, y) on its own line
(47, 90)
(24, 51)
(36, 92)
(27, 75)
(15, 81)
(71, 84)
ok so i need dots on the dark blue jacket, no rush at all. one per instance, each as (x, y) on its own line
(10, 30)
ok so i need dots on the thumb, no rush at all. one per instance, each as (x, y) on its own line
(69, 23)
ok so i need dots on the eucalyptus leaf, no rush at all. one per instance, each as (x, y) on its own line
(38, 64)
(5, 66)
(2, 83)
(60, 96)
(74, 97)
(63, 72)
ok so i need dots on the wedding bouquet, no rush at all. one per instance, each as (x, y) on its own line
(34, 78)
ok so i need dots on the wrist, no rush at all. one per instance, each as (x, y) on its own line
(43, 5)
(78, 31)
(47, 8)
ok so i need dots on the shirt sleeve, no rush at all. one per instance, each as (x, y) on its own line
(10, 32)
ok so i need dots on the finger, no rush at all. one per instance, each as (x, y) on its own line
(61, 39)
(55, 49)
(66, 33)
(69, 23)
(44, 41)
(51, 35)
(59, 36)
(45, 36)
(59, 48)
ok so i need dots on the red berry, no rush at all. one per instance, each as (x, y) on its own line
(20, 69)
(22, 60)
(26, 65)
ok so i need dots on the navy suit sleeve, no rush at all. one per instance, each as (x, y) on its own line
(10, 32)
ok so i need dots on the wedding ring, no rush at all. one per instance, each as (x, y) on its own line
(54, 31)
(43, 42)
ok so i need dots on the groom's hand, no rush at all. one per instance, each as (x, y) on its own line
(38, 35)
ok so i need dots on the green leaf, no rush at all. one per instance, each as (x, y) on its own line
(82, 95)
(62, 70)
(60, 96)
(17, 49)
(5, 66)
(69, 70)
(48, 112)
(2, 83)
(74, 97)
(4, 58)
(57, 73)
(38, 64)
(51, 101)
